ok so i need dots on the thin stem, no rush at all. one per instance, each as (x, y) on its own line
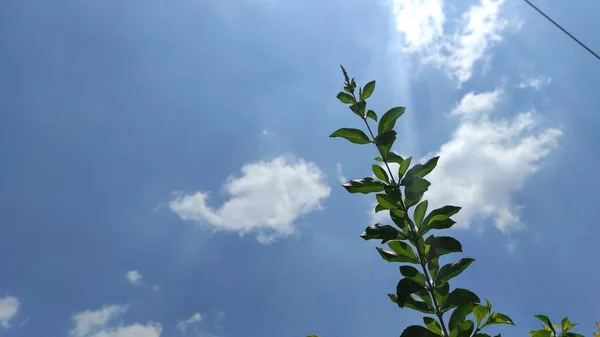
(431, 290)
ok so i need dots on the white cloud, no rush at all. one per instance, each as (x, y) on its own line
(194, 319)
(267, 198)
(422, 24)
(488, 159)
(9, 306)
(535, 82)
(485, 161)
(100, 323)
(134, 277)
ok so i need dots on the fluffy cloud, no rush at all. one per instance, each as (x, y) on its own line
(422, 24)
(100, 323)
(535, 82)
(9, 306)
(486, 160)
(267, 198)
(134, 277)
(194, 319)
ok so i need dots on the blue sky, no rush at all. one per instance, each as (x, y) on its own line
(166, 167)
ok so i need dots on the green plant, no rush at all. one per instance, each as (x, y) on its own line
(550, 330)
(425, 285)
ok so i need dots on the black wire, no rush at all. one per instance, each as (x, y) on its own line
(564, 30)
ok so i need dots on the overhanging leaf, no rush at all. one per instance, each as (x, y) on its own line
(432, 325)
(397, 256)
(345, 98)
(418, 305)
(441, 213)
(412, 273)
(371, 114)
(385, 139)
(359, 108)
(380, 173)
(459, 297)
(404, 289)
(498, 318)
(459, 314)
(442, 245)
(387, 201)
(479, 311)
(388, 120)
(403, 167)
(451, 270)
(364, 186)
(420, 212)
(421, 170)
(355, 136)
(415, 187)
(403, 249)
(368, 90)
(381, 232)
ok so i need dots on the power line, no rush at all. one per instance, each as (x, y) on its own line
(564, 30)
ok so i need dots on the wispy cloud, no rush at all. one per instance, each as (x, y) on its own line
(535, 82)
(422, 23)
(101, 323)
(267, 198)
(134, 277)
(183, 324)
(9, 307)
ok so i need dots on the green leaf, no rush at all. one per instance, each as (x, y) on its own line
(403, 249)
(385, 139)
(380, 173)
(345, 98)
(391, 158)
(413, 274)
(421, 170)
(379, 208)
(420, 212)
(479, 311)
(355, 136)
(441, 293)
(546, 321)
(417, 331)
(405, 288)
(403, 167)
(415, 188)
(393, 298)
(498, 318)
(432, 325)
(433, 267)
(442, 245)
(437, 224)
(368, 90)
(388, 120)
(312, 336)
(364, 186)
(541, 333)
(442, 213)
(465, 328)
(400, 252)
(459, 314)
(386, 201)
(371, 114)
(418, 305)
(459, 297)
(359, 108)
(381, 232)
(567, 325)
(452, 270)
(481, 335)
(400, 219)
